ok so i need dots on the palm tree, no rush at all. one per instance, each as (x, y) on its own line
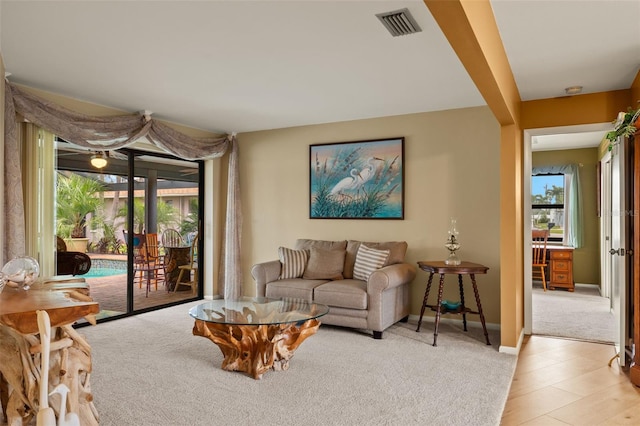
(165, 214)
(76, 197)
(556, 193)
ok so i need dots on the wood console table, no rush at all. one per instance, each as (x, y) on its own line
(70, 360)
(465, 268)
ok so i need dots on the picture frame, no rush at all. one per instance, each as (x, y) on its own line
(357, 180)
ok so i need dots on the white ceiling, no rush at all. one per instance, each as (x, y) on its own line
(252, 65)
(556, 141)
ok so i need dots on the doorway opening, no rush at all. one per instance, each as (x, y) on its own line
(580, 308)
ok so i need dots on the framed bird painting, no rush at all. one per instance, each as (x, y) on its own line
(357, 180)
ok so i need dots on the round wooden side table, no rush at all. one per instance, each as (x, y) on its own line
(464, 268)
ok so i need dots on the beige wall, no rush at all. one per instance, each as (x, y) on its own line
(451, 169)
(586, 260)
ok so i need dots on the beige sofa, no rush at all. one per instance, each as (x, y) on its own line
(328, 278)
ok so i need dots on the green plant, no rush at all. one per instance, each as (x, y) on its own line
(165, 214)
(190, 223)
(624, 128)
(109, 243)
(76, 197)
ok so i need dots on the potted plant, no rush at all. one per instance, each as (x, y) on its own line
(76, 197)
(625, 125)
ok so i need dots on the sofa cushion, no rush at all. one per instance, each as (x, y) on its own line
(351, 294)
(324, 264)
(293, 262)
(397, 251)
(294, 288)
(367, 261)
(306, 244)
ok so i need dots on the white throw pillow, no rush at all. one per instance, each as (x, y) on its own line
(293, 262)
(367, 261)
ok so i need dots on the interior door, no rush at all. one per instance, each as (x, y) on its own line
(605, 228)
(617, 251)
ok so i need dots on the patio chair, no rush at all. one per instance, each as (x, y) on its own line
(154, 255)
(147, 266)
(190, 270)
(70, 262)
(172, 238)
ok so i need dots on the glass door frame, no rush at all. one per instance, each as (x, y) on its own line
(131, 156)
(128, 167)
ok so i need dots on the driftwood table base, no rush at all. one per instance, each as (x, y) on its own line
(21, 375)
(255, 349)
(21, 353)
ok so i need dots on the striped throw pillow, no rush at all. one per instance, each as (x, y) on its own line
(367, 261)
(293, 262)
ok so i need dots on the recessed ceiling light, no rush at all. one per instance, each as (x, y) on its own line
(573, 90)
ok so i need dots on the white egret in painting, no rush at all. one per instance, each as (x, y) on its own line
(369, 170)
(348, 183)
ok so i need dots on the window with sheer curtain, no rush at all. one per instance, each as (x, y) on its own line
(109, 133)
(568, 211)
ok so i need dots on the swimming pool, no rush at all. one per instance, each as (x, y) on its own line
(103, 272)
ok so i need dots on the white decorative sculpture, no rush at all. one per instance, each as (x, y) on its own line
(65, 419)
(46, 416)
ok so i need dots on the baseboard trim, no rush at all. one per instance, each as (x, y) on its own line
(432, 320)
(513, 350)
(591, 286)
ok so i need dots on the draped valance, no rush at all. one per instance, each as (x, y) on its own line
(109, 133)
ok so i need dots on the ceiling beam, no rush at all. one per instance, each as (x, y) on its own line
(472, 32)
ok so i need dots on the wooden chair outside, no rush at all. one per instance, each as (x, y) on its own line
(190, 270)
(172, 238)
(147, 267)
(154, 259)
(539, 260)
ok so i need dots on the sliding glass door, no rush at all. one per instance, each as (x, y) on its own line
(121, 214)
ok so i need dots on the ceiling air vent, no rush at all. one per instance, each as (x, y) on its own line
(399, 22)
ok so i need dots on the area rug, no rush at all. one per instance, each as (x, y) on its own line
(150, 370)
(581, 315)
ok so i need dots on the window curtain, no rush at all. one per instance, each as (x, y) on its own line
(107, 133)
(572, 201)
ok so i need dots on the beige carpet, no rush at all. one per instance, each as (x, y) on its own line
(582, 314)
(150, 370)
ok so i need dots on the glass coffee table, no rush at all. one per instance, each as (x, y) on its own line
(257, 334)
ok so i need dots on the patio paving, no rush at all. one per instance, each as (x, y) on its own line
(111, 293)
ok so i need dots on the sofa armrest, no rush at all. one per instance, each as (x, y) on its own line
(390, 276)
(264, 273)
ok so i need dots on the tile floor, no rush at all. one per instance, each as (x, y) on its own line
(568, 382)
